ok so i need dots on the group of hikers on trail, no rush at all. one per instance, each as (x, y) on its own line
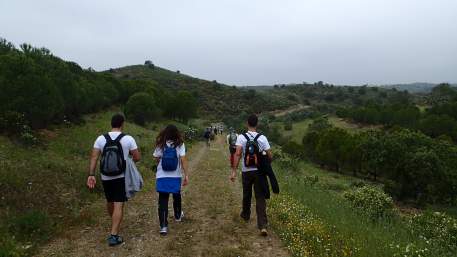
(118, 153)
(211, 132)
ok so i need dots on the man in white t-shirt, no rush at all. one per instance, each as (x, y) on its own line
(114, 186)
(249, 174)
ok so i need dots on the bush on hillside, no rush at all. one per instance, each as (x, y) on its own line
(141, 108)
(12, 122)
(371, 201)
(294, 149)
(284, 160)
(31, 224)
(436, 228)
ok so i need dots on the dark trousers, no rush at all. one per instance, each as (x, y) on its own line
(249, 180)
(163, 207)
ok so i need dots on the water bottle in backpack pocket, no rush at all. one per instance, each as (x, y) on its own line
(112, 162)
(251, 158)
(170, 159)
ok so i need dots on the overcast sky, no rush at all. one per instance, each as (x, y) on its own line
(249, 42)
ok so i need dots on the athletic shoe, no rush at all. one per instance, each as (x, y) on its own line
(180, 217)
(263, 232)
(114, 240)
(164, 231)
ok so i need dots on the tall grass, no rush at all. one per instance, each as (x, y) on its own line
(43, 188)
(387, 236)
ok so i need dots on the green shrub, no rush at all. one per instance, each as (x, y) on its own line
(310, 180)
(293, 149)
(357, 184)
(284, 160)
(32, 224)
(12, 122)
(371, 201)
(288, 126)
(28, 137)
(9, 247)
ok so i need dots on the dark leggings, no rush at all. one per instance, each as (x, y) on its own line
(163, 207)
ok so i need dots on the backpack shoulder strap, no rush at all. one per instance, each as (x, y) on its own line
(107, 137)
(257, 137)
(246, 136)
(118, 138)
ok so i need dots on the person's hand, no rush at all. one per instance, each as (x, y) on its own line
(91, 181)
(186, 181)
(233, 175)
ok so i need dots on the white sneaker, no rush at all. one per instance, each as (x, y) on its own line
(164, 231)
(180, 217)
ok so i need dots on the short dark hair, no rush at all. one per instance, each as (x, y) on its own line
(253, 120)
(117, 120)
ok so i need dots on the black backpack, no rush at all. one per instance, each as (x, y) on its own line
(112, 162)
(251, 151)
(232, 139)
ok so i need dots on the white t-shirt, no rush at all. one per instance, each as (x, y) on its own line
(158, 152)
(264, 145)
(127, 142)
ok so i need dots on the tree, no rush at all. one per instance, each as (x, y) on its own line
(437, 125)
(182, 106)
(442, 94)
(331, 147)
(142, 108)
(149, 64)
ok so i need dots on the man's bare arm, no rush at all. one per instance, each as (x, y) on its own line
(236, 162)
(93, 160)
(91, 181)
(136, 155)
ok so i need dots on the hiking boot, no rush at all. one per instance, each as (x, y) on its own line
(263, 232)
(163, 231)
(180, 217)
(246, 218)
(114, 240)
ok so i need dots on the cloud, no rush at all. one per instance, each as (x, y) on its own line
(249, 42)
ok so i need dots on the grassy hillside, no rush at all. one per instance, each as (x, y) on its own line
(315, 217)
(43, 188)
(214, 99)
(300, 128)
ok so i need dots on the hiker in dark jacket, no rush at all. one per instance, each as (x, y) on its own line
(250, 172)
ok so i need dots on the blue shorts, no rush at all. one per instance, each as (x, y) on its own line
(168, 185)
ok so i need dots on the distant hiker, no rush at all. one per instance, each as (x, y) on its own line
(172, 172)
(231, 141)
(250, 145)
(215, 130)
(207, 136)
(114, 148)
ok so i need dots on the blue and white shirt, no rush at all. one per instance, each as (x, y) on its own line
(169, 181)
(158, 152)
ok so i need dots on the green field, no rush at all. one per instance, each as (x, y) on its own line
(314, 219)
(299, 128)
(43, 187)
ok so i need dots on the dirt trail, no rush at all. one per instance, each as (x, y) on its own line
(211, 226)
(296, 108)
